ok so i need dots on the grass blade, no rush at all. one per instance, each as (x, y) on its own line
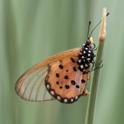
(92, 98)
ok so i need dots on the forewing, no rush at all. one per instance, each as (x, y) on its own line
(31, 85)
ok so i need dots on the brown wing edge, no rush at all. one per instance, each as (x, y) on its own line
(68, 53)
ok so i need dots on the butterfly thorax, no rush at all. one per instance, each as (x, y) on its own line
(86, 56)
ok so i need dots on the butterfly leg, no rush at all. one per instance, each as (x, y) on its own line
(85, 92)
(94, 47)
(100, 65)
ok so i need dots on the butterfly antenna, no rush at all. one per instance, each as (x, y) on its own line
(88, 29)
(97, 25)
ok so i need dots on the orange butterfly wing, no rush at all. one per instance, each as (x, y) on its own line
(65, 81)
(31, 85)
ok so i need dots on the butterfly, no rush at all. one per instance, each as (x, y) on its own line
(62, 77)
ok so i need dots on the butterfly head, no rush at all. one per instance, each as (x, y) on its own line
(89, 43)
(89, 40)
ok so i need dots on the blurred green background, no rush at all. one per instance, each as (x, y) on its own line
(32, 30)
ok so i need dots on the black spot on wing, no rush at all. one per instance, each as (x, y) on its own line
(67, 86)
(74, 68)
(72, 59)
(77, 86)
(73, 82)
(61, 66)
(57, 82)
(60, 87)
(66, 77)
(57, 74)
(83, 81)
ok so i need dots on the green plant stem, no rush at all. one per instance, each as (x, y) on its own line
(92, 98)
(94, 85)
